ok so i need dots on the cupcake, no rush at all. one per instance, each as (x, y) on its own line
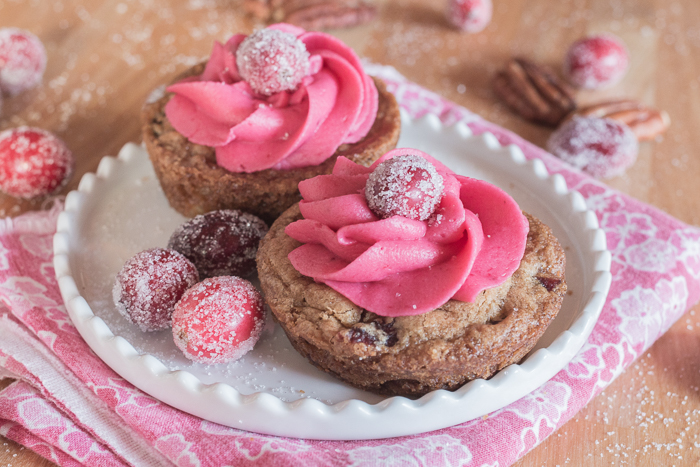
(264, 113)
(403, 278)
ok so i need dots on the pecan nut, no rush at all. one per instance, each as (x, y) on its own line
(645, 122)
(332, 15)
(259, 9)
(534, 92)
(313, 14)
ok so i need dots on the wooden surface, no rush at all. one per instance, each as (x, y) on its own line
(105, 57)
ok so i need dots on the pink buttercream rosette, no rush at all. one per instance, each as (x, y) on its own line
(398, 266)
(336, 103)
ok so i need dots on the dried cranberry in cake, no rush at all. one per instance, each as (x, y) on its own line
(22, 60)
(218, 320)
(469, 15)
(407, 186)
(602, 147)
(271, 61)
(596, 62)
(220, 243)
(33, 162)
(150, 284)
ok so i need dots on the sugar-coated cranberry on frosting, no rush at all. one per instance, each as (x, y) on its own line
(272, 61)
(334, 103)
(406, 185)
(398, 265)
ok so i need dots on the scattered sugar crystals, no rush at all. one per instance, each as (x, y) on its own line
(406, 185)
(642, 426)
(272, 61)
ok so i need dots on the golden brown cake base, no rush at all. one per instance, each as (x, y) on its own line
(413, 355)
(194, 184)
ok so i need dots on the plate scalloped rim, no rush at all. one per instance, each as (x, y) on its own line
(311, 418)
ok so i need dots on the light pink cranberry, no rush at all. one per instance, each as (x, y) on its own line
(596, 62)
(601, 147)
(406, 185)
(271, 61)
(218, 320)
(33, 162)
(469, 15)
(150, 284)
(22, 60)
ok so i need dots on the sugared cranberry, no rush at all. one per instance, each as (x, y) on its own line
(150, 284)
(469, 15)
(218, 320)
(596, 62)
(220, 243)
(22, 60)
(406, 185)
(33, 162)
(271, 61)
(602, 147)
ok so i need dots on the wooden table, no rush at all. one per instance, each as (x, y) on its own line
(105, 57)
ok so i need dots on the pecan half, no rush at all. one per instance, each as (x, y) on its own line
(259, 9)
(646, 123)
(331, 15)
(534, 92)
(313, 14)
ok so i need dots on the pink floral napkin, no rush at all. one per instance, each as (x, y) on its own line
(72, 409)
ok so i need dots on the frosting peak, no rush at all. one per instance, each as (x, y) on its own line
(400, 266)
(335, 103)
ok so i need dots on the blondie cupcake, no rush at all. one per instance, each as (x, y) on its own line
(403, 278)
(264, 113)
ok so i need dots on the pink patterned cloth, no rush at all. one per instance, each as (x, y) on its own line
(71, 408)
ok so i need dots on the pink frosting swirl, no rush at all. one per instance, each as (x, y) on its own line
(336, 103)
(399, 266)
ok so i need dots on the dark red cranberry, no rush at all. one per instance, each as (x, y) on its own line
(549, 283)
(383, 333)
(220, 243)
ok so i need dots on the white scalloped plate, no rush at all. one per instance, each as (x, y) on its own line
(122, 210)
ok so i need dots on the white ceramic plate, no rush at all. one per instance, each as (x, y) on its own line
(121, 210)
